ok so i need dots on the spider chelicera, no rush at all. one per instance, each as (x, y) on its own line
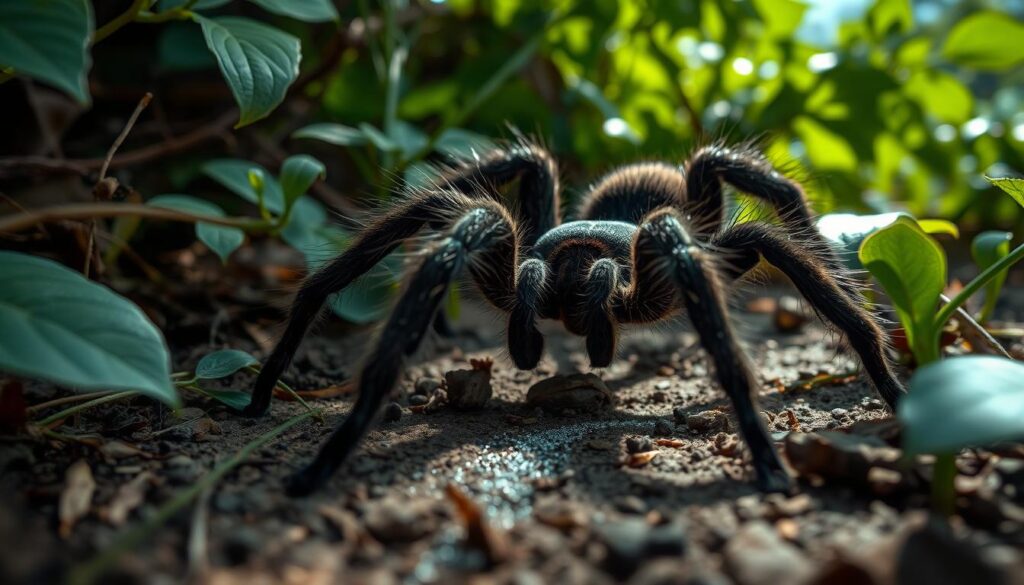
(651, 242)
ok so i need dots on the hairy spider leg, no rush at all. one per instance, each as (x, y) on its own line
(525, 342)
(479, 230)
(665, 253)
(601, 285)
(816, 281)
(538, 184)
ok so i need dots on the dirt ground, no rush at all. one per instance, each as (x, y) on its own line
(652, 490)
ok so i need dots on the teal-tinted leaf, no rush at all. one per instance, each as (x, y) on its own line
(305, 10)
(298, 173)
(1012, 186)
(336, 134)
(56, 325)
(378, 138)
(258, 61)
(408, 138)
(48, 40)
(911, 267)
(222, 240)
(232, 398)
(181, 48)
(461, 143)
(369, 298)
(961, 402)
(302, 231)
(234, 174)
(222, 363)
(987, 249)
(986, 40)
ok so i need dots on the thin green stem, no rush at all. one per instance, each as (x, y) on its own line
(974, 286)
(120, 20)
(943, 484)
(86, 405)
(91, 570)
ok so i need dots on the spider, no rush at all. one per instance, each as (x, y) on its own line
(651, 242)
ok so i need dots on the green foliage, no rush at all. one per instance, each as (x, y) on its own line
(258, 61)
(223, 363)
(961, 402)
(1013, 187)
(222, 240)
(911, 267)
(56, 325)
(48, 41)
(306, 10)
(298, 173)
(987, 249)
(987, 41)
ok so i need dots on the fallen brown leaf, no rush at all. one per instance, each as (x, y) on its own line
(128, 497)
(674, 443)
(640, 459)
(76, 498)
(480, 534)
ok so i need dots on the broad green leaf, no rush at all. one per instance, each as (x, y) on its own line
(846, 231)
(781, 17)
(58, 326)
(48, 40)
(408, 138)
(305, 10)
(233, 173)
(258, 61)
(987, 248)
(890, 16)
(825, 148)
(911, 267)
(939, 226)
(302, 231)
(962, 402)
(235, 399)
(986, 40)
(941, 94)
(181, 48)
(222, 240)
(378, 138)
(336, 134)
(298, 173)
(222, 363)
(1013, 187)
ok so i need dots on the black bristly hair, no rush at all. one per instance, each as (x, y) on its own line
(650, 243)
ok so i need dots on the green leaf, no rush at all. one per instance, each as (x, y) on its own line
(962, 402)
(48, 40)
(222, 240)
(298, 173)
(941, 94)
(939, 226)
(258, 61)
(336, 134)
(181, 48)
(461, 143)
(847, 231)
(304, 10)
(222, 363)
(233, 173)
(378, 138)
(235, 399)
(987, 248)
(890, 16)
(825, 148)
(56, 325)
(368, 298)
(1013, 187)
(911, 267)
(301, 232)
(986, 40)
(408, 138)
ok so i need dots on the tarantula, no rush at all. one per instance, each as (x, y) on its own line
(650, 243)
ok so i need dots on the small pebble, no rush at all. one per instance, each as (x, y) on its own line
(639, 445)
(392, 412)
(839, 413)
(663, 428)
(425, 386)
(418, 400)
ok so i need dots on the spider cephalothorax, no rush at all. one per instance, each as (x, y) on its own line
(650, 243)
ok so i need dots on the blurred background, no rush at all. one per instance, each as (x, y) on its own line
(878, 105)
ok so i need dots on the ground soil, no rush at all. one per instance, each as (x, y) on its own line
(560, 504)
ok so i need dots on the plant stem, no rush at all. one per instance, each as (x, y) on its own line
(80, 407)
(74, 211)
(943, 484)
(68, 400)
(120, 20)
(88, 572)
(972, 287)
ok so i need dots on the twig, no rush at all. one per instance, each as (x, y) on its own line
(979, 338)
(89, 210)
(100, 191)
(88, 572)
(23, 165)
(67, 400)
(80, 407)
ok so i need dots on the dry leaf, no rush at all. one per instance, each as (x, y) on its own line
(480, 534)
(640, 459)
(76, 499)
(674, 443)
(128, 497)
